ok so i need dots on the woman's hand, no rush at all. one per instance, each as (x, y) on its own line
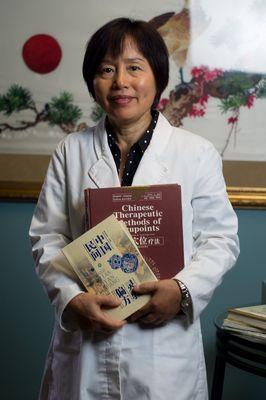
(88, 310)
(163, 305)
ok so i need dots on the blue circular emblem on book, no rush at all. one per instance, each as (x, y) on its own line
(129, 263)
(115, 261)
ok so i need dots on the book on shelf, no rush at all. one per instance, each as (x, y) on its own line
(250, 317)
(153, 215)
(108, 262)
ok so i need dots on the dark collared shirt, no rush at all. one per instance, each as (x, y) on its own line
(136, 151)
(133, 159)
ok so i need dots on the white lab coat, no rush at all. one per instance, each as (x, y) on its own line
(157, 364)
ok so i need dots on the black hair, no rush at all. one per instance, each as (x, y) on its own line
(110, 39)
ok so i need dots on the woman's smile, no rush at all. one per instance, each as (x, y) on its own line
(121, 100)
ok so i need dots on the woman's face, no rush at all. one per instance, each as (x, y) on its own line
(125, 87)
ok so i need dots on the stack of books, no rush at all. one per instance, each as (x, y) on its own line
(134, 235)
(247, 321)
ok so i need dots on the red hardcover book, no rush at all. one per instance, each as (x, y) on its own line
(153, 215)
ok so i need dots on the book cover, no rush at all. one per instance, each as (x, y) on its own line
(153, 215)
(107, 260)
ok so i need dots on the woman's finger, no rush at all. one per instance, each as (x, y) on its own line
(146, 287)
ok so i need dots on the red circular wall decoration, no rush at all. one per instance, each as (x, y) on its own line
(42, 53)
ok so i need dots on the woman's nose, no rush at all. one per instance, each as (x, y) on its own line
(120, 79)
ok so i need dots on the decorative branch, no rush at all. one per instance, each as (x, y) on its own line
(234, 122)
(40, 117)
(59, 111)
(234, 89)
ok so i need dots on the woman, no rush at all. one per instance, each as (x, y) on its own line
(158, 354)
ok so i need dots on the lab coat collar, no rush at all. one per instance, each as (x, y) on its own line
(152, 167)
(103, 172)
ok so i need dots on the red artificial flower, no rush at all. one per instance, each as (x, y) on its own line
(232, 120)
(250, 100)
(162, 103)
(211, 75)
(205, 73)
(203, 100)
(201, 112)
(196, 112)
(197, 72)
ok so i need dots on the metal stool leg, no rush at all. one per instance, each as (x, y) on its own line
(218, 379)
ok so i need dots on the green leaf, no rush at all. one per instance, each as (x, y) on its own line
(61, 110)
(236, 82)
(16, 99)
(233, 102)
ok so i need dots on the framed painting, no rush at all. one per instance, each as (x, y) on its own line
(217, 85)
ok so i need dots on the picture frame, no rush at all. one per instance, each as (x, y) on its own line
(22, 175)
(208, 37)
(246, 183)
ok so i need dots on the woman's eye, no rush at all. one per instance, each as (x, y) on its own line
(134, 68)
(107, 70)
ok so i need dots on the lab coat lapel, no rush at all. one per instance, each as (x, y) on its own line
(103, 172)
(153, 166)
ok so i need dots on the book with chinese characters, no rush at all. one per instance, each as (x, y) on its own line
(152, 214)
(253, 316)
(107, 261)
